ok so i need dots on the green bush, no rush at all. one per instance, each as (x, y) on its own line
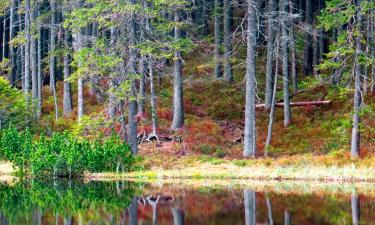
(13, 108)
(63, 154)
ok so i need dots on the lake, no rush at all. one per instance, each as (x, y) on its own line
(68, 202)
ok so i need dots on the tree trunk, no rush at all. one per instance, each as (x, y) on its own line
(373, 51)
(12, 33)
(250, 206)
(153, 98)
(308, 51)
(132, 120)
(77, 46)
(52, 62)
(178, 95)
(272, 112)
(284, 50)
(34, 62)
(27, 50)
(250, 127)
(6, 35)
(355, 145)
(112, 98)
(39, 75)
(218, 39)
(270, 43)
(292, 47)
(67, 99)
(228, 71)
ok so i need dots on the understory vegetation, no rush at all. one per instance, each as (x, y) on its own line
(63, 154)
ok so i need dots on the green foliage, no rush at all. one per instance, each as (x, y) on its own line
(63, 197)
(63, 154)
(12, 106)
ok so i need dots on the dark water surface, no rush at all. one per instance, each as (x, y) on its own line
(78, 202)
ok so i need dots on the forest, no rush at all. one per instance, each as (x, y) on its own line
(131, 85)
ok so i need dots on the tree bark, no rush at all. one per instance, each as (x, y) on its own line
(218, 39)
(39, 74)
(228, 70)
(270, 43)
(178, 94)
(27, 50)
(67, 99)
(355, 142)
(52, 62)
(250, 127)
(308, 51)
(153, 98)
(272, 112)
(292, 47)
(12, 33)
(132, 120)
(284, 50)
(34, 61)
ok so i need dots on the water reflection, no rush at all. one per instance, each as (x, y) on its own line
(66, 202)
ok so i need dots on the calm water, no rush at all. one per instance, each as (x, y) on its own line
(78, 202)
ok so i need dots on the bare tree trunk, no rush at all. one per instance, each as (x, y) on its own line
(112, 100)
(368, 52)
(39, 75)
(27, 50)
(355, 143)
(6, 29)
(250, 127)
(218, 39)
(67, 99)
(292, 47)
(12, 34)
(228, 70)
(272, 112)
(308, 51)
(52, 66)
(270, 43)
(34, 62)
(132, 120)
(178, 94)
(284, 50)
(77, 46)
(250, 207)
(153, 98)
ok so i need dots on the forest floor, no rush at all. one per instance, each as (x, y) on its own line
(315, 146)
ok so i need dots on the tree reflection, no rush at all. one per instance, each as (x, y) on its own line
(355, 208)
(250, 207)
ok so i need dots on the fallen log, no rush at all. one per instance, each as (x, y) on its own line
(296, 104)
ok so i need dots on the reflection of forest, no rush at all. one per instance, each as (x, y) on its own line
(67, 202)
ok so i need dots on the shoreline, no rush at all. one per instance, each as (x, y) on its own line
(229, 172)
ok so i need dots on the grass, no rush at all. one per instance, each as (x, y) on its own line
(302, 167)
